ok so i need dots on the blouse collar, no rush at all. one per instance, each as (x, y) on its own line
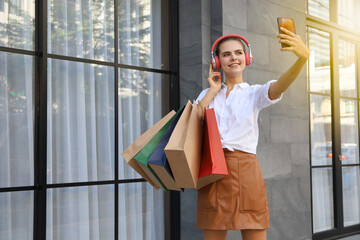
(242, 85)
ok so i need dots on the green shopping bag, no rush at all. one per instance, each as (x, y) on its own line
(144, 155)
(131, 151)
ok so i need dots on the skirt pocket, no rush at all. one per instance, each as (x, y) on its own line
(252, 187)
(207, 197)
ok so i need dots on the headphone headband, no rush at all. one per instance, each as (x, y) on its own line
(229, 36)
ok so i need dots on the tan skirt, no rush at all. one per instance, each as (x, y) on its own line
(237, 201)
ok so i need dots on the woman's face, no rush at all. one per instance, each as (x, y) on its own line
(232, 58)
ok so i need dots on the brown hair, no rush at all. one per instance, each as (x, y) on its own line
(217, 52)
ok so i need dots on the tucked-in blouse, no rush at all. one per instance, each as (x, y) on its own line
(237, 114)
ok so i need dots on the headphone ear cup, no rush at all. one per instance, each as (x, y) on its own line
(217, 63)
(247, 58)
(213, 64)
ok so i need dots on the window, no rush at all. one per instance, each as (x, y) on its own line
(319, 8)
(79, 82)
(333, 85)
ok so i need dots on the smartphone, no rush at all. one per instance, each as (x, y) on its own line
(287, 23)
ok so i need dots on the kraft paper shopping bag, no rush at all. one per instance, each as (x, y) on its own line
(184, 147)
(158, 161)
(213, 165)
(140, 142)
(144, 155)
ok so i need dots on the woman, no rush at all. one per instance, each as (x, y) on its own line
(239, 201)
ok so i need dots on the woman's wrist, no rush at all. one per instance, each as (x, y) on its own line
(213, 91)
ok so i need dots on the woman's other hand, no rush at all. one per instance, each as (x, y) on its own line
(214, 80)
(296, 45)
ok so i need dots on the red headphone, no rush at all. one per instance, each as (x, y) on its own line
(215, 59)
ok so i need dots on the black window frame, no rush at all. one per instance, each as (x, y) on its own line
(41, 55)
(336, 32)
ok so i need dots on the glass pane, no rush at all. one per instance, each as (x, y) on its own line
(319, 8)
(16, 120)
(319, 62)
(80, 126)
(16, 215)
(347, 72)
(141, 97)
(322, 199)
(349, 132)
(80, 213)
(143, 33)
(348, 11)
(141, 212)
(81, 28)
(351, 195)
(320, 119)
(17, 24)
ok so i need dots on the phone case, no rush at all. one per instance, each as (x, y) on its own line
(287, 23)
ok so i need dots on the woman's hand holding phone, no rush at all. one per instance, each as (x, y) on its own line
(292, 42)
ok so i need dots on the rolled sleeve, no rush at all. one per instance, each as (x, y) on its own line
(264, 100)
(201, 96)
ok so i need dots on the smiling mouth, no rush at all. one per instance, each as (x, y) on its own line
(234, 64)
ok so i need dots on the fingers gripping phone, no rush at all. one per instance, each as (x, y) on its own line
(287, 23)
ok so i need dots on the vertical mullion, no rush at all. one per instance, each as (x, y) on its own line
(36, 125)
(174, 196)
(309, 114)
(41, 120)
(174, 54)
(336, 129)
(116, 82)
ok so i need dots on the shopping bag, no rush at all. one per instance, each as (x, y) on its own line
(144, 155)
(140, 142)
(213, 165)
(158, 161)
(183, 150)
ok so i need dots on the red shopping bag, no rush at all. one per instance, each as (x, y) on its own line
(213, 165)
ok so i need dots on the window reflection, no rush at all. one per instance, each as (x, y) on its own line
(319, 62)
(17, 24)
(347, 72)
(349, 131)
(321, 138)
(80, 213)
(141, 38)
(319, 8)
(140, 99)
(345, 13)
(82, 29)
(348, 11)
(138, 211)
(16, 120)
(323, 204)
(16, 215)
(351, 195)
(80, 122)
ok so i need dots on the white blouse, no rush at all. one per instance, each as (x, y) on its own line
(237, 115)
